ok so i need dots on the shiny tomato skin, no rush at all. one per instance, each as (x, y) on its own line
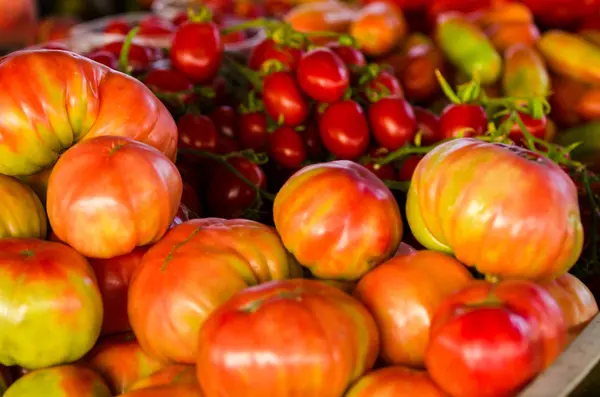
(252, 130)
(167, 80)
(284, 100)
(344, 130)
(22, 214)
(395, 381)
(292, 318)
(197, 50)
(286, 147)
(269, 50)
(429, 125)
(383, 85)
(105, 58)
(349, 55)
(393, 122)
(197, 132)
(463, 121)
(225, 119)
(322, 75)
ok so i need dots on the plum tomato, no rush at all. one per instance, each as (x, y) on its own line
(429, 125)
(283, 99)
(322, 75)
(286, 146)
(344, 130)
(227, 195)
(252, 130)
(197, 132)
(153, 26)
(463, 120)
(117, 26)
(225, 119)
(536, 127)
(105, 58)
(384, 84)
(312, 141)
(407, 168)
(393, 122)
(139, 56)
(269, 50)
(349, 55)
(167, 80)
(383, 171)
(197, 50)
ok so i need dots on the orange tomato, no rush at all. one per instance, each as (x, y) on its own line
(501, 14)
(395, 382)
(378, 28)
(326, 16)
(174, 374)
(166, 391)
(588, 105)
(504, 35)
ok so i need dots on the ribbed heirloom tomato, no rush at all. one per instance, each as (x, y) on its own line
(130, 201)
(518, 208)
(21, 212)
(292, 338)
(338, 219)
(172, 374)
(69, 98)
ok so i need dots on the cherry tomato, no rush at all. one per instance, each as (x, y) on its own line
(407, 168)
(153, 26)
(286, 147)
(197, 132)
(393, 122)
(463, 120)
(322, 75)
(383, 85)
(167, 80)
(429, 125)
(344, 130)
(197, 50)
(537, 128)
(180, 18)
(226, 145)
(283, 99)
(225, 119)
(383, 171)
(105, 58)
(234, 37)
(118, 26)
(139, 56)
(252, 130)
(312, 141)
(269, 50)
(349, 55)
(227, 195)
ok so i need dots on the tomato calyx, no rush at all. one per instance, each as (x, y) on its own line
(204, 14)
(251, 104)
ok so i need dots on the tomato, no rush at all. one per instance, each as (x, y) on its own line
(155, 26)
(407, 169)
(21, 212)
(562, 13)
(384, 84)
(403, 286)
(197, 50)
(252, 130)
(383, 171)
(428, 125)
(180, 18)
(226, 144)
(320, 16)
(537, 128)
(286, 147)
(292, 319)
(197, 132)
(166, 391)
(322, 75)
(464, 120)
(312, 141)
(173, 374)
(121, 362)
(228, 196)
(378, 28)
(269, 50)
(394, 382)
(167, 80)
(130, 202)
(113, 276)
(461, 168)
(438, 7)
(417, 72)
(344, 130)
(283, 99)
(462, 356)
(66, 380)
(349, 55)
(73, 98)
(234, 255)
(393, 122)
(225, 119)
(54, 290)
(105, 58)
(118, 26)
(338, 219)
(139, 57)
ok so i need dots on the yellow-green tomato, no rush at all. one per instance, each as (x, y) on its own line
(21, 212)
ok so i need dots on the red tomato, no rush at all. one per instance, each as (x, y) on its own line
(180, 18)
(105, 58)
(383, 171)
(344, 130)
(312, 141)
(383, 85)
(228, 196)
(252, 130)
(197, 50)
(269, 50)
(283, 99)
(197, 132)
(225, 119)
(139, 57)
(322, 75)
(167, 80)
(463, 121)
(393, 122)
(292, 319)
(562, 13)
(429, 126)
(537, 128)
(118, 26)
(153, 26)
(349, 55)
(407, 168)
(286, 147)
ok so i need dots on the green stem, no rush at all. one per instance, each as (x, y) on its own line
(252, 76)
(448, 91)
(124, 55)
(253, 24)
(405, 151)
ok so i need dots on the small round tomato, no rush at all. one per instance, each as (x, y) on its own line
(153, 26)
(349, 55)
(225, 119)
(228, 196)
(383, 85)
(283, 100)
(312, 141)
(139, 56)
(234, 37)
(383, 171)
(197, 50)
(167, 80)
(117, 26)
(429, 126)
(269, 50)
(536, 127)
(286, 147)
(344, 130)
(252, 130)
(407, 168)
(197, 132)
(463, 120)
(322, 75)
(105, 58)
(393, 122)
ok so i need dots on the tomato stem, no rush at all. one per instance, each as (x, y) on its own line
(448, 91)
(252, 76)
(405, 151)
(253, 24)
(124, 55)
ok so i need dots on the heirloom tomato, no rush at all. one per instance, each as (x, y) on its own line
(395, 382)
(171, 294)
(338, 219)
(518, 208)
(166, 391)
(130, 200)
(113, 277)
(69, 98)
(121, 362)
(403, 295)
(173, 374)
(286, 320)
(49, 295)
(21, 212)
(62, 381)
